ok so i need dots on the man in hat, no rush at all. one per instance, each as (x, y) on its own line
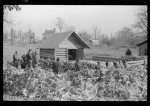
(78, 65)
(30, 58)
(15, 59)
(56, 66)
(35, 62)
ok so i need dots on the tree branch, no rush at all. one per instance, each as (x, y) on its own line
(142, 21)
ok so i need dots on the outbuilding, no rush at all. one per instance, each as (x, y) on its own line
(142, 48)
(65, 46)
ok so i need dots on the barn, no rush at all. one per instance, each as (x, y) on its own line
(142, 48)
(66, 46)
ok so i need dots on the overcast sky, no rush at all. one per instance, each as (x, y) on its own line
(40, 17)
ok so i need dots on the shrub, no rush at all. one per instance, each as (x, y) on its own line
(128, 52)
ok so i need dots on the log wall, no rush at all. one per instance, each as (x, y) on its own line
(62, 54)
(49, 53)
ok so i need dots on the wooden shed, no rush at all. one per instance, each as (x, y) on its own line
(65, 46)
(142, 48)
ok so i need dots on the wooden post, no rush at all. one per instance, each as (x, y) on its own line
(66, 55)
(54, 54)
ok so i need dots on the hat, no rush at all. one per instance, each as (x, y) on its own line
(57, 59)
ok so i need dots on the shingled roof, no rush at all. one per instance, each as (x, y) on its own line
(55, 39)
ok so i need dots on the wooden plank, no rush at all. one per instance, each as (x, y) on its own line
(97, 58)
(67, 55)
(61, 53)
(47, 49)
(61, 57)
(135, 64)
(48, 55)
(46, 52)
(132, 62)
(58, 50)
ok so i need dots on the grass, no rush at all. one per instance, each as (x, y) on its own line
(108, 52)
(8, 51)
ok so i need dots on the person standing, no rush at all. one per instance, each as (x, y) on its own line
(78, 65)
(15, 59)
(30, 58)
(106, 64)
(34, 55)
(56, 66)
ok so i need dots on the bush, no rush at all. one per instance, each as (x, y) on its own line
(128, 52)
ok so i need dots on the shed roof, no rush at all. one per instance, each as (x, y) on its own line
(55, 39)
(142, 42)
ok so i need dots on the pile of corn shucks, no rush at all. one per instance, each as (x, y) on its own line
(42, 84)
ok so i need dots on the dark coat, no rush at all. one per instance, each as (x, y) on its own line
(56, 67)
(78, 66)
(29, 59)
(15, 60)
(34, 62)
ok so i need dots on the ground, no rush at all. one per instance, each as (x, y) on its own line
(103, 51)
(8, 51)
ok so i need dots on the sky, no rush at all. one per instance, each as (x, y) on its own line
(110, 19)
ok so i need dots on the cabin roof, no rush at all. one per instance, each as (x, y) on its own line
(144, 41)
(57, 38)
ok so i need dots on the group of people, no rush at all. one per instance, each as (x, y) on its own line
(28, 60)
(57, 65)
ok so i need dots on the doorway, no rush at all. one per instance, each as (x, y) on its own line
(72, 54)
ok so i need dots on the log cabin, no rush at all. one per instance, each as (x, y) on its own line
(66, 46)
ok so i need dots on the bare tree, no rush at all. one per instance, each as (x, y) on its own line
(125, 37)
(31, 36)
(96, 30)
(60, 23)
(141, 23)
(20, 36)
(12, 36)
